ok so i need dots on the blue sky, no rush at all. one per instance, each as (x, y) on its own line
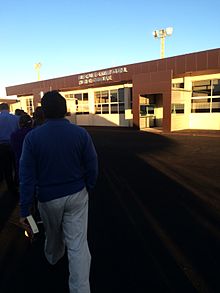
(70, 37)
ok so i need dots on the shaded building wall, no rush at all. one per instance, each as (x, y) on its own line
(153, 83)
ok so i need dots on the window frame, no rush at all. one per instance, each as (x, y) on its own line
(82, 103)
(209, 105)
(100, 104)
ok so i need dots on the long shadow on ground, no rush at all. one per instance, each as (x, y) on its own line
(146, 232)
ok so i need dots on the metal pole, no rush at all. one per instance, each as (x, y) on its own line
(162, 46)
(37, 67)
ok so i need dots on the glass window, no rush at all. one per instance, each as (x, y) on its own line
(97, 97)
(78, 97)
(114, 96)
(98, 109)
(150, 109)
(121, 108)
(206, 88)
(29, 106)
(104, 97)
(200, 105)
(202, 82)
(69, 96)
(143, 110)
(216, 87)
(107, 102)
(177, 108)
(85, 97)
(105, 108)
(179, 85)
(82, 105)
(146, 110)
(114, 108)
(201, 88)
(215, 104)
(121, 95)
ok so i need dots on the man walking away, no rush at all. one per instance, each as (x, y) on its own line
(8, 124)
(59, 159)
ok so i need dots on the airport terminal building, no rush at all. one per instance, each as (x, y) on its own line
(180, 92)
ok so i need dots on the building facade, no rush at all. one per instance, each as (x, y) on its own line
(181, 92)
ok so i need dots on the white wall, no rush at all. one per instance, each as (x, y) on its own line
(181, 120)
(205, 121)
(102, 120)
(15, 106)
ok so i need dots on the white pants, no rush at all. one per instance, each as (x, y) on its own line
(65, 221)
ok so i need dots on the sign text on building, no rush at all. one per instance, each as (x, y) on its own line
(100, 76)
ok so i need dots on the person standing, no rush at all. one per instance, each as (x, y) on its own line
(17, 138)
(19, 112)
(38, 117)
(60, 159)
(8, 124)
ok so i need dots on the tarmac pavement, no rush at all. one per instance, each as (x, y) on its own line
(153, 219)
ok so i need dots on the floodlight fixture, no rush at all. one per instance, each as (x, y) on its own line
(169, 31)
(162, 34)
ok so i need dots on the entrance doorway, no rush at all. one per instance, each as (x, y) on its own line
(151, 110)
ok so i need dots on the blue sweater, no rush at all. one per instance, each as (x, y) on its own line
(8, 124)
(59, 159)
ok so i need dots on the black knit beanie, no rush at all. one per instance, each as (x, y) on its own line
(53, 105)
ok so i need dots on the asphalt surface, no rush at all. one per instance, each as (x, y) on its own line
(154, 219)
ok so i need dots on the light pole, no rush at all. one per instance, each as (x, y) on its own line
(37, 67)
(162, 34)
